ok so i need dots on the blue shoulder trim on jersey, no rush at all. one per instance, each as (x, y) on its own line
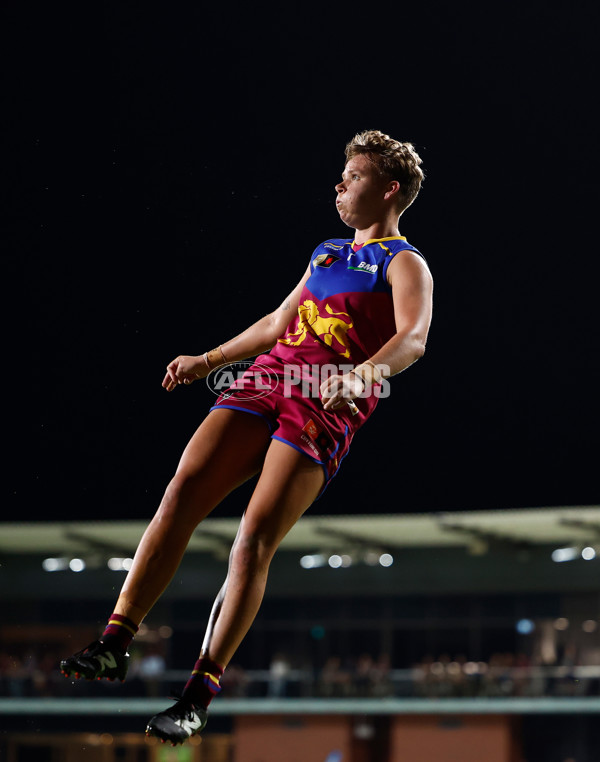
(392, 254)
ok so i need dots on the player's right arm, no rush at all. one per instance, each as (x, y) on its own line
(259, 337)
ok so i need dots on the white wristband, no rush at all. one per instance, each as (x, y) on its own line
(368, 373)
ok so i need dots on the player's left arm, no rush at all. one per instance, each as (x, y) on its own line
(412, 293)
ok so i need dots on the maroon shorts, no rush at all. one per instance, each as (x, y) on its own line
(293, 415)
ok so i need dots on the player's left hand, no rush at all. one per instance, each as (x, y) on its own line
(337, 391)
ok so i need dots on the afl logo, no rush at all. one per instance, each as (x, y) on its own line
(253, 379)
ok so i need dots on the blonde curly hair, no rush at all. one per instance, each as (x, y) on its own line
(395, 160)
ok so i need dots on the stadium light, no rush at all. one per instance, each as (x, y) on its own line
(564, 554)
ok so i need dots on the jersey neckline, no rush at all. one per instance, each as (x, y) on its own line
(377, 240)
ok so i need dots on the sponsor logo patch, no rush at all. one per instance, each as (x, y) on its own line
(325, 260)
(365, 267)
(311, 428)
(317, 434)
(311, 444)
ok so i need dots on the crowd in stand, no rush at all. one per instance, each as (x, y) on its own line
(34, 673)
(505, 674)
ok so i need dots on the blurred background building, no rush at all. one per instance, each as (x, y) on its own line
(372, 618)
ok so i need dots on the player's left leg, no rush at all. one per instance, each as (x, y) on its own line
(288, 484)
(228, 448)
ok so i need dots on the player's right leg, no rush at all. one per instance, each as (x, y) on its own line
(227, 449)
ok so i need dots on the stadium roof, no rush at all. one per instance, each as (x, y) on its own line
(474, 530)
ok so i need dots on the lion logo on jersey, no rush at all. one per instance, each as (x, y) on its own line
(330, 330)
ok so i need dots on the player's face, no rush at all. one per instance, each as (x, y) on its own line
(360, 194)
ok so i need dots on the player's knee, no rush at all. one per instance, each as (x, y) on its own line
(172, 497)
(252, 552)
(179, 501)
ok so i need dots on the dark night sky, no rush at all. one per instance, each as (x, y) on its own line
(170, 170)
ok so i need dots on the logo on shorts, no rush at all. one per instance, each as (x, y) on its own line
(311, 444)
(317, 434)
(325, 260)
(311, 428)
(253, 379)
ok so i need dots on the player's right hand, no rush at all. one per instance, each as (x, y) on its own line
(184, 370)
(337, 391)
